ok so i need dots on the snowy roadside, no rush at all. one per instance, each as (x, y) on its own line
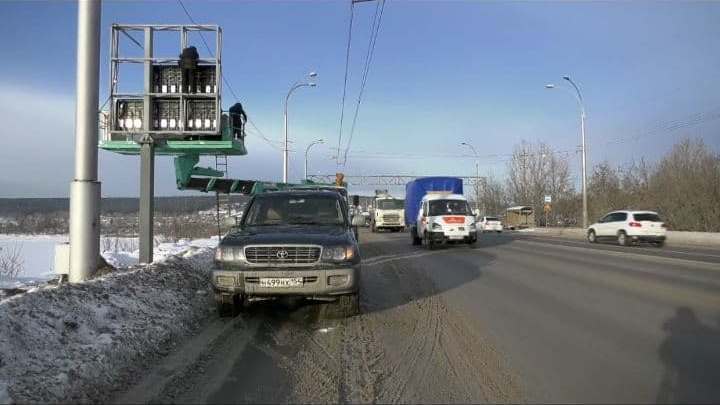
(77, 342)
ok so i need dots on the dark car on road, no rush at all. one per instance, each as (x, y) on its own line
(290, 244)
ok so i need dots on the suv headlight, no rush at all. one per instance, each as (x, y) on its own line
(228, 254)
(338, 253)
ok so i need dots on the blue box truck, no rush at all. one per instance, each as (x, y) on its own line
(448, 208)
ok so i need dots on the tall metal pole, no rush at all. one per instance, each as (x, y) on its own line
(584, 171)
(85, 189)
(147, 161)
(477, 188)
(285, 119)
(584, 149)
(579, 98)
(477, 176)
(285, 144)
(147, 198)
(307, 150)
(285, 116)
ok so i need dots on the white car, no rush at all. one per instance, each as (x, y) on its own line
(489, 224)
(629, 226)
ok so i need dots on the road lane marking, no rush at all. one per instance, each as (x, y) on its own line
(655, 258)
(373, 261)
(575, 242)
(661, 289)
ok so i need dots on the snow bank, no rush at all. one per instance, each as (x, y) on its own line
(76, 342)
(121, 259)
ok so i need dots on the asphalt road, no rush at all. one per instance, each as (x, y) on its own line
(518, 318)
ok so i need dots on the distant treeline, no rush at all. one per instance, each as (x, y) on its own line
(12, 207)
(683, 186)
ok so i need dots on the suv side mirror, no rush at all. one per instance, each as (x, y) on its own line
(356, 200)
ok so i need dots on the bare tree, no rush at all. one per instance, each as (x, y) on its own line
(535, 170)
(686, 186)
(11, 261)
(493, 198)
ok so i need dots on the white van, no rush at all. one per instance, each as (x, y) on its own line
(444, 218)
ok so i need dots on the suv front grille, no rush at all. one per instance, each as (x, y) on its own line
(282, 255)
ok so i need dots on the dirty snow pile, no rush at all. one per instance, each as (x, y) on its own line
(122, 258)
(76, 342)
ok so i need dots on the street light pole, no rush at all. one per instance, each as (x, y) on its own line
(285, 120)
(579, 98)
(307, 150)
(85, 187)
(477, 177)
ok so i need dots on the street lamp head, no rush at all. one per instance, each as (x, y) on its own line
(550, 86)
(566, 78)
(312, 74)
(320, 140)
(312, 84)
(464, 143)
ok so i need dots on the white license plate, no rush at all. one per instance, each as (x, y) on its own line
(278, 282)
(456, 237)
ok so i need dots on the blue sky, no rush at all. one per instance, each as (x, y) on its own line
(443, 72)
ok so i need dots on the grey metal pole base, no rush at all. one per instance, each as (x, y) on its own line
(84, 229)
(147, 199)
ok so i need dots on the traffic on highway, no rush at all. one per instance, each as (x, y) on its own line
(512, 318)
(466, 317)
(360, 201)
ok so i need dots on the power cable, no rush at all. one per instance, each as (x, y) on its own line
(207, 46)
(224, 78)
(668, 126)
(377, 20)
(347, 69)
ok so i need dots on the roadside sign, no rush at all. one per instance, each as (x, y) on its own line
(548, 199)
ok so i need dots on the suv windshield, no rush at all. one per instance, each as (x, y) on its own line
(647, 217)
(448, 207)
(491, 218)
(390, 204)
(306, 209)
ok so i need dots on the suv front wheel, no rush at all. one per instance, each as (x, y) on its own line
(591, 236)
(344, 306)
(230, 306)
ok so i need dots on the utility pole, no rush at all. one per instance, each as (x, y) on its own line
(294, 87)
(85, 189)
(477, 177)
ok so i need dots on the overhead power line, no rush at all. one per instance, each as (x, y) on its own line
(347, 68)
(374, 31)
(669, 126)
(207, 46)
(226, 81)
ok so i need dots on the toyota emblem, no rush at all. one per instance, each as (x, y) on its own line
(282, 254)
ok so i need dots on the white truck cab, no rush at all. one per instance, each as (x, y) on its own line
(445, 218)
